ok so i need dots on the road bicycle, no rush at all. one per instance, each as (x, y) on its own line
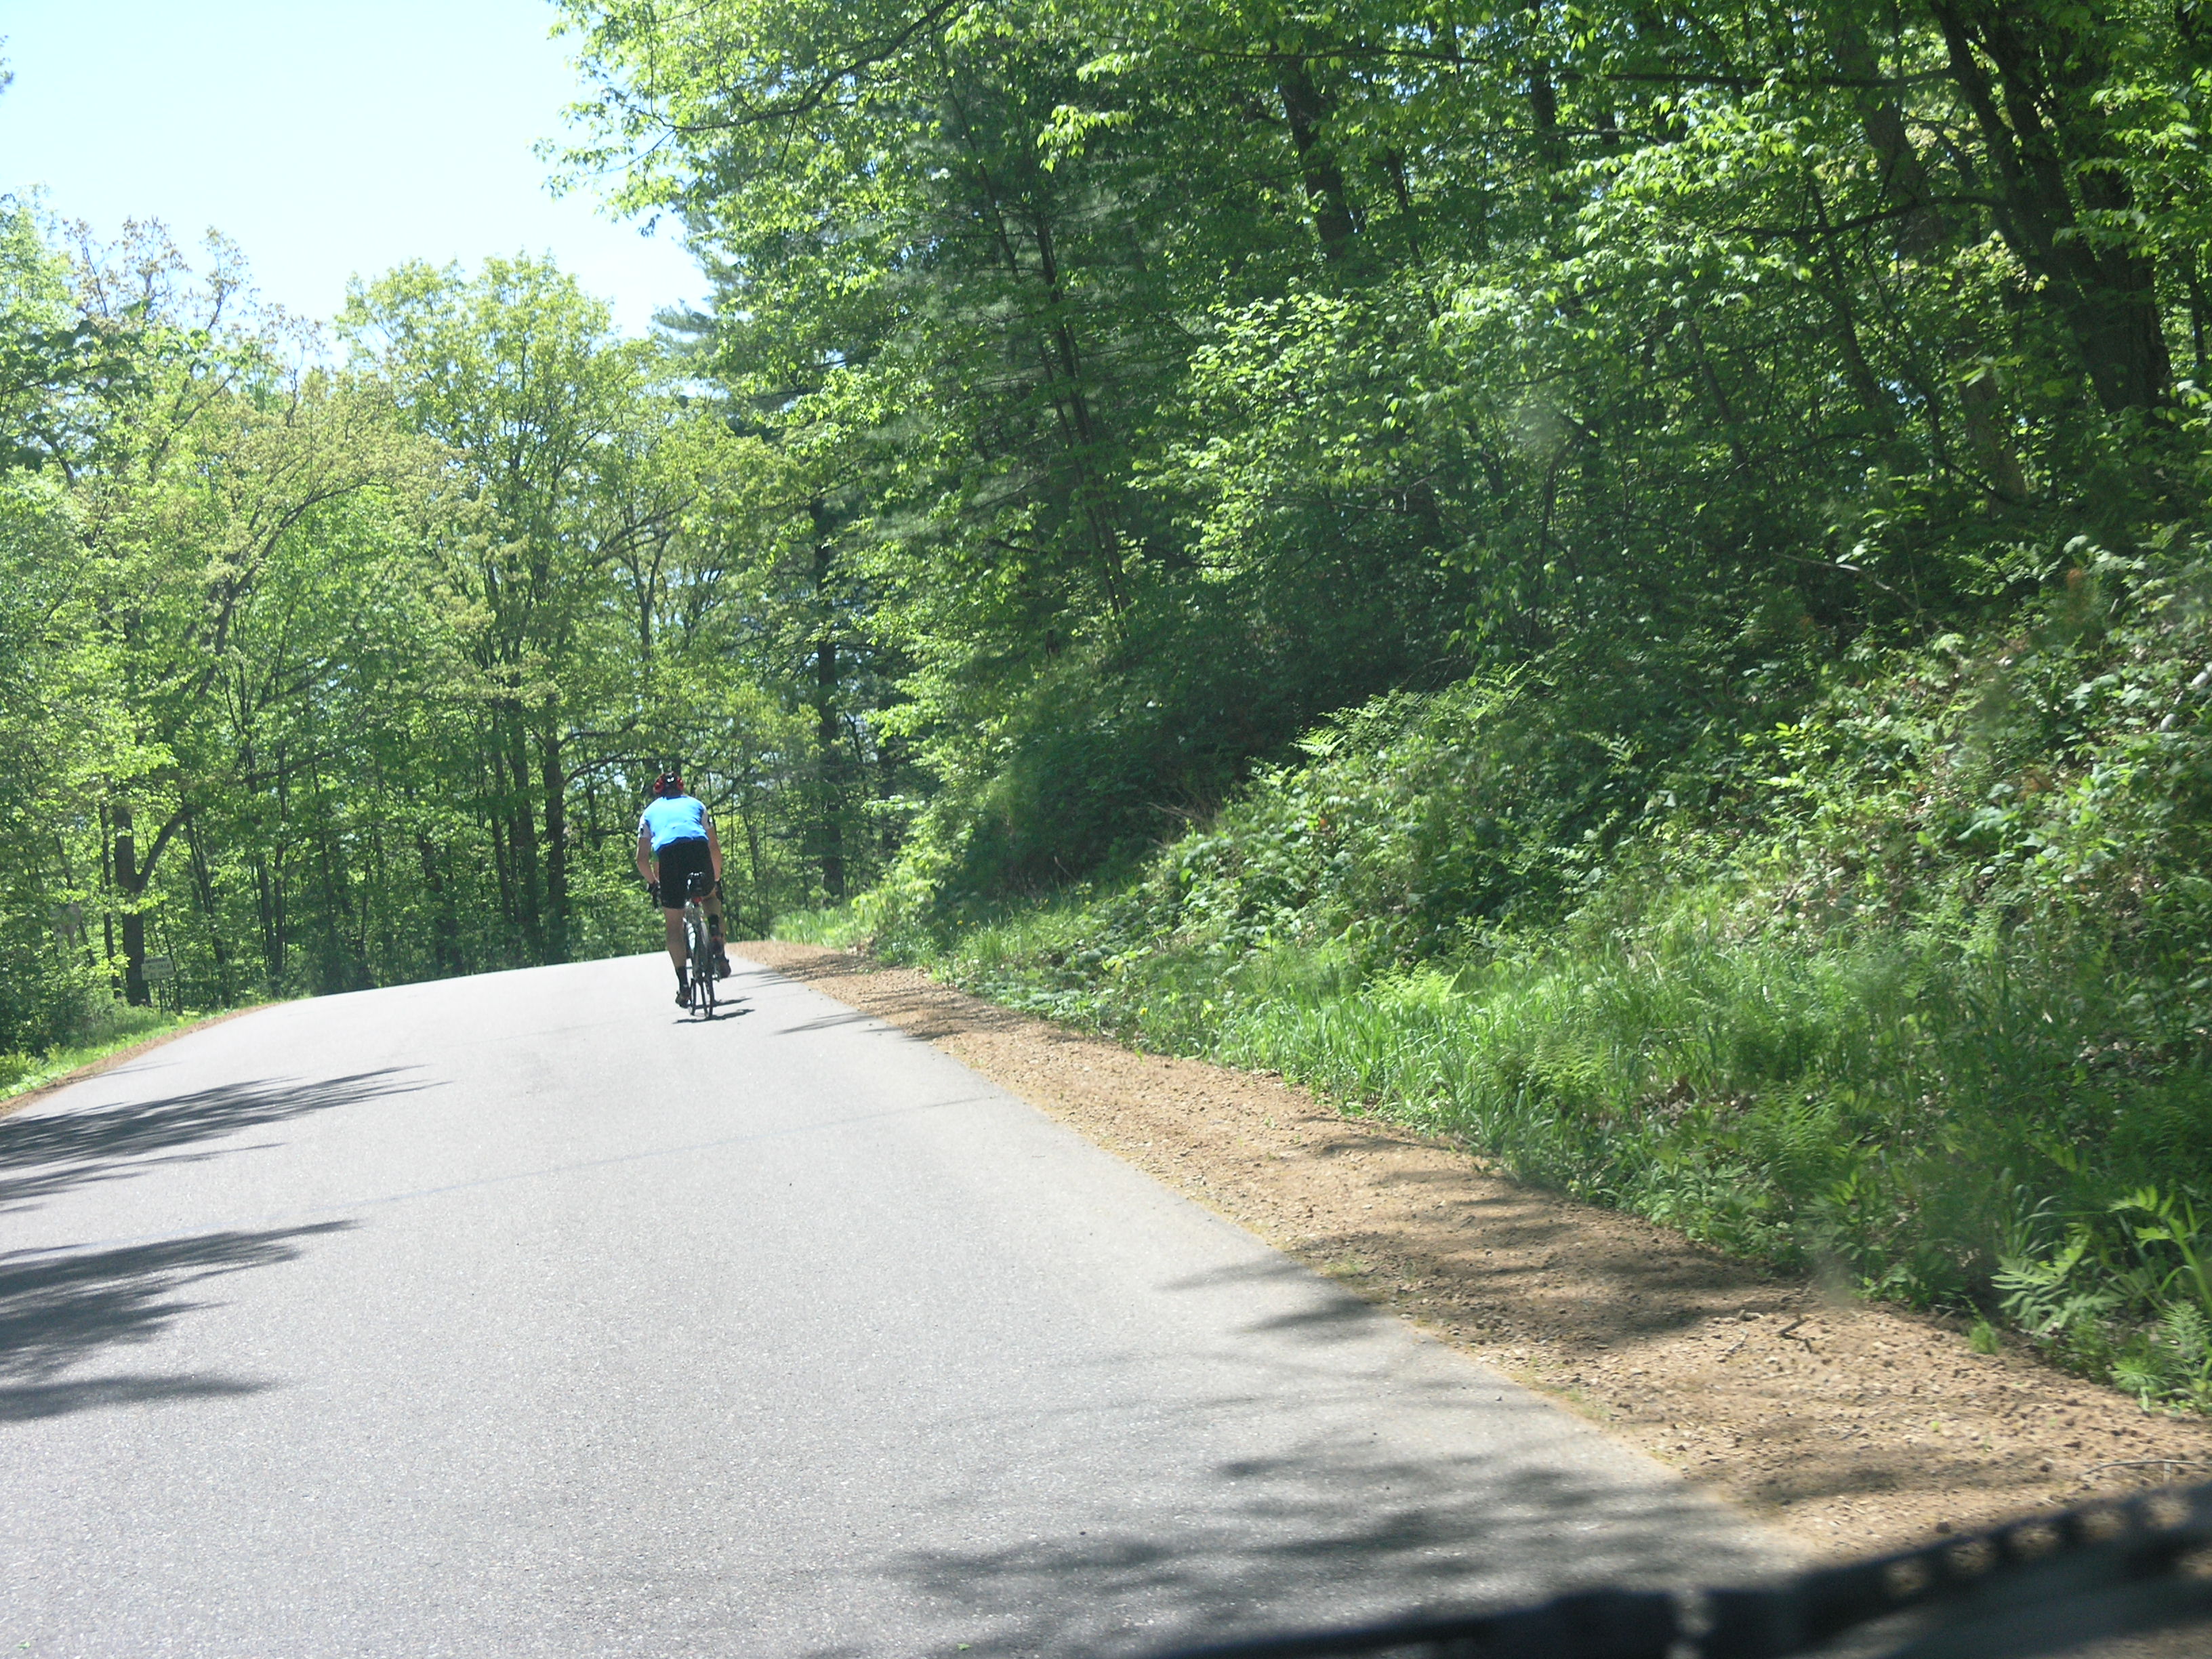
(2046, 1583)
(699, 945)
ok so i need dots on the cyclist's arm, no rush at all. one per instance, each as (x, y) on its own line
(649, 867)
(714, 849)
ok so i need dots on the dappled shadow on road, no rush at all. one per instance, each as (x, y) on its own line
(833, 1022)
(1308, 1307)
(1330, 1536)
(50, 1152)
(1403, 1499)
(32, 1400)
(1597, 1279)
(63, 1308)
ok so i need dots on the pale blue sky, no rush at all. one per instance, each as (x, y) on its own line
(325, 137)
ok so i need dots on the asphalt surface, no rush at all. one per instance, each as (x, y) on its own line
(519, 1314)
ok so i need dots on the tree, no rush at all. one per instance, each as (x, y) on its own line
(226, 454)
(521, 375)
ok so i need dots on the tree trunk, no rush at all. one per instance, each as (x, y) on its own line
(1835, 286)
(106, 891)
(132, 876)
(503, 867)
(127, 883)
(345, 966)
(1923, 226)
(753, 863)
(529, 913)
(445, 929)
(203, 886)
(829, 751)
(2041, 124)
(832, 750)
(554, 784)
(1394, 169)
(1305, 109)
(265, 907)
(333, 975)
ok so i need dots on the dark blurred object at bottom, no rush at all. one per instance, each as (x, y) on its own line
(2045, 1584)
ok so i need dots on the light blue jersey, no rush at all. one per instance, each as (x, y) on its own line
(673, 817)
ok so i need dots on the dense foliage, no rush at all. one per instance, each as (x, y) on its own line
(1177, 375)
(320, 671)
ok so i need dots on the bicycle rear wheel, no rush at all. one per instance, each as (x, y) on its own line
(699, 948)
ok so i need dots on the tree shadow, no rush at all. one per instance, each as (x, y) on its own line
(833, 1022)
(59, 1150)
(1331, 1536)
(1334, 1528)
(62, 1309)
(1497, 1248)
(30, 1402)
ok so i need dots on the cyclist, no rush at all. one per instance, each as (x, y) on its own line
(675, 837)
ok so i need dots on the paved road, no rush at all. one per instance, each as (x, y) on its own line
(516, 1315)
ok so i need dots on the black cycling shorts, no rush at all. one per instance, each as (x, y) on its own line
(677, 862)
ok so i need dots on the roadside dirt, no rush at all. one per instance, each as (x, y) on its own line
(1856, 1428)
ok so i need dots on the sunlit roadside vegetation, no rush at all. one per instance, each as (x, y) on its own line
(105, 1028)
(1908, 992)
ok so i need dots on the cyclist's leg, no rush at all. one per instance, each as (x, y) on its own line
(701, 948)
(672, 919)
(672, 915)
(679, 954)
(676, 861)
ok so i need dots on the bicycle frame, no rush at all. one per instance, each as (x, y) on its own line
(699, 950)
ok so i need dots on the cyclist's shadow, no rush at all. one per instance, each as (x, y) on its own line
(736, 1008)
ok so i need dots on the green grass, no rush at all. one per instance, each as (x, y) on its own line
(835, 927)
(2013, 1133)
(114, 1031)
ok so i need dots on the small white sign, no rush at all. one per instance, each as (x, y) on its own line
(158, 968)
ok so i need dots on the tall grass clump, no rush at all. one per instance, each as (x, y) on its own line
(834, 925)
(1892, 1109)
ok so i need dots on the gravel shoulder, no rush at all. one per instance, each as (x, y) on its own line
(1853, 1427)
